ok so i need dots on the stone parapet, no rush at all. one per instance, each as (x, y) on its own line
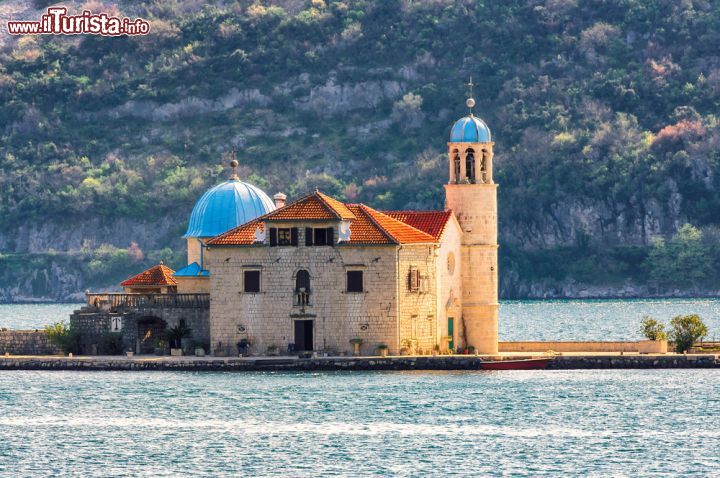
(26, 342)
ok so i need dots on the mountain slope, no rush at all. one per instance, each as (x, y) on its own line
(604, 115)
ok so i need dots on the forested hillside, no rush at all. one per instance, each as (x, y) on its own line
(604, 114)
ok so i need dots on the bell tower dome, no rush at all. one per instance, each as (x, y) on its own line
(471, 194)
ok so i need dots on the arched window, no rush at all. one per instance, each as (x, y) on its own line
(302, 287)
(470, 165)
(456, 166)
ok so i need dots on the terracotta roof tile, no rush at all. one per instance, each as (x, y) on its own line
(240, 236)
(313, 206)
(158, 275)
(363, 229)
(367, 226)
(432, 222)
(401, 233)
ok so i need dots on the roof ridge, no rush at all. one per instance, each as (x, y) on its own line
(432, 239)
(161, 268)
(364, 208)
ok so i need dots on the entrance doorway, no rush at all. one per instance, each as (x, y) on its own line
(304, 335)
(150, 329)
(451, 332)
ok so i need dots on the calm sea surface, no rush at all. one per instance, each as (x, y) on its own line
(519, 320)
(639, 423)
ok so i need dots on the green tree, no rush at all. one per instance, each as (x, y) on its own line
(682, 260)
(652, 329)
(686, 330)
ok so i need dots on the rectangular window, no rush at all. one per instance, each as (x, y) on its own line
(414, 280)
(273, 236)
(283, 236)
(354, 281)
(251, 281)
(308, 236)
(320, 238)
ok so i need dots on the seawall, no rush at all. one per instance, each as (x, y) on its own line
(26, 342)
(456, 362)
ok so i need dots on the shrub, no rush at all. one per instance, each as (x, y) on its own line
(64, 337)
(686, 330)
(174, 335)
(652, 329)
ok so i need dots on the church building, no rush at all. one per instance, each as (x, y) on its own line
(318, 274)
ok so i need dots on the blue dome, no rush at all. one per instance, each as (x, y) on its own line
(225, 206)
(470, 129)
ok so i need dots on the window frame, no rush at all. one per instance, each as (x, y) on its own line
(356, 273)
(245, 281)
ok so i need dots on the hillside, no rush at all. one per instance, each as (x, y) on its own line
(604, 114)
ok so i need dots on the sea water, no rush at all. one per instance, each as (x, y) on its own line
(519, 320)
(639, 423)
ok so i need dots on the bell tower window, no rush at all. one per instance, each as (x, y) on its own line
(456, 167)
(483, 166)
(470, 165)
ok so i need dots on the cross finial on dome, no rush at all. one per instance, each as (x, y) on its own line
(234, 165)
(470, 102)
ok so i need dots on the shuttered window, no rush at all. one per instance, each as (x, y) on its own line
(414, 280)
(273, 236)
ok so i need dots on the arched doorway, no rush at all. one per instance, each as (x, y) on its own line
(150, 330)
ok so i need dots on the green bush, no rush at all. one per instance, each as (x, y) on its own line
(175, 334)
(67, 339)
(652, 329)
(686, 330)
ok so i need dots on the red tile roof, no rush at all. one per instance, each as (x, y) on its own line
(399, 232)
(158, 275)
(367, 226)
(432, 222)
(241, 235)
(313, 206)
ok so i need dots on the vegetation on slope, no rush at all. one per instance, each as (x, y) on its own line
(604, 115)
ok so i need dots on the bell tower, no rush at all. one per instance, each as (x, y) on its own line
(471, 194)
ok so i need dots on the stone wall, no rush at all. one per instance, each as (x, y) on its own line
(94, 325)
(26, 342)
(449, 283)
(417, 310)
(267, 318)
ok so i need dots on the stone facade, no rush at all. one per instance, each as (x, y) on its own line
(267, 318)
(193, 285)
